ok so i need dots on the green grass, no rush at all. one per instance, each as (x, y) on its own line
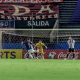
(39, 69)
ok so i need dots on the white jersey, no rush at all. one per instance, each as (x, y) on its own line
(71, 43)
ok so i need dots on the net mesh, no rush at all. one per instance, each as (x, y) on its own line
(17, 36)
(55, 37)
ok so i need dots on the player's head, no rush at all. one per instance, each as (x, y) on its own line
(40, 41)
(28, 40)
(70, 38)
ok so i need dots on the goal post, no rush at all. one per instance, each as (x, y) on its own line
(54, 31)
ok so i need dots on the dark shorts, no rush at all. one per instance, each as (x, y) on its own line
(71, 49)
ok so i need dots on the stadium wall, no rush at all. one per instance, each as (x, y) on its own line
(51, 46)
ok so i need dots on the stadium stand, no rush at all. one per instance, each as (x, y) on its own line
(67, 11)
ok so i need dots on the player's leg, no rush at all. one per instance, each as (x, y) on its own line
(42, 54)
(34, 52)
(26, 55)
(69, 53)
(35, 55)
(38, 54)
(30, 54)
(73, 52)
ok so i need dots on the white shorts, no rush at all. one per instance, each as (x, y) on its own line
(31, 51)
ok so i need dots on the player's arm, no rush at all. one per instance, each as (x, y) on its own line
(36, 44)
(68, 42)
(74, 41)
(22, 42)
(23, 45)
(44, 45)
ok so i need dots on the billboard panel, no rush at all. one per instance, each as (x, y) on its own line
(62, 54)
(36, 24)
(7, 24)
(28, 11)
(30, 15)
(11, 53)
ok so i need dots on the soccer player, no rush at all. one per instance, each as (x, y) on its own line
(71, 44)
(30, 49)
(40, 48)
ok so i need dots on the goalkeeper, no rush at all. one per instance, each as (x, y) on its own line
(40, 48)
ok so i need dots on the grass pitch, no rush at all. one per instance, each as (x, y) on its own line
(39, 69)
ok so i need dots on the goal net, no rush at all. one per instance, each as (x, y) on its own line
(54, 38)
